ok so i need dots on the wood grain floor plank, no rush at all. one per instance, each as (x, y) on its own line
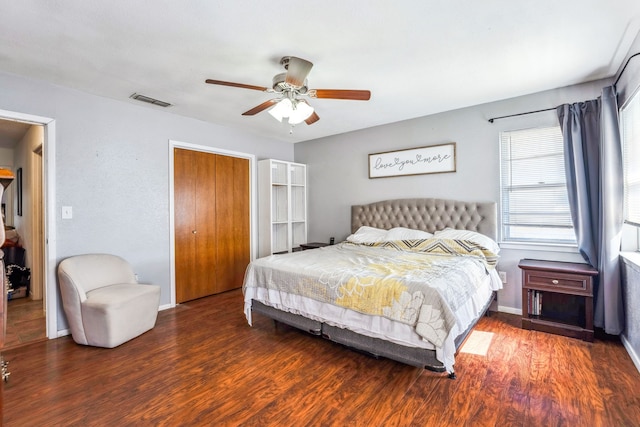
(501, 399)
(203, 365)
(510, 358)
(621, 408)
(541, 408)
(373, 393)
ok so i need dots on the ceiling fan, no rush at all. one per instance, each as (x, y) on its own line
(292, 86)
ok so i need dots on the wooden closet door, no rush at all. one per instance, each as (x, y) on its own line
(211, 217)
(195, 224)
(232, 208)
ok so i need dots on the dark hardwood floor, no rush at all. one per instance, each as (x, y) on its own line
(26, 322)
(203, 365)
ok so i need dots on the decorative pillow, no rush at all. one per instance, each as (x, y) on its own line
(367, 234)
(402, 233)
(473, 236)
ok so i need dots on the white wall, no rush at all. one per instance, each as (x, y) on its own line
(338, 168)
(112, 167)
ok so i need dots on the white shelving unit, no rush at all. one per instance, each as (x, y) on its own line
(282, 200)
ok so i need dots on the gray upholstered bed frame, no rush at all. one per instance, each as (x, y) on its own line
(427, 214)
(423, 214)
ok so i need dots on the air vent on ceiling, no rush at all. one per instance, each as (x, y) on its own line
(149, 100)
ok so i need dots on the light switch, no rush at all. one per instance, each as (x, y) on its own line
(67, 212)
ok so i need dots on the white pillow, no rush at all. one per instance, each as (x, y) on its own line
(367, 235)
(480, 239)
(401, 233)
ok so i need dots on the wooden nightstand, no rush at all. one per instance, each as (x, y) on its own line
(313, 245)
(557, 297)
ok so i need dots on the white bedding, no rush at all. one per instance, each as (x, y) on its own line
(378, 326)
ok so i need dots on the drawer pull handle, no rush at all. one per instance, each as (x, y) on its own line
(555, 281)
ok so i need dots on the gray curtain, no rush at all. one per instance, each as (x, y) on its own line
(593, 162)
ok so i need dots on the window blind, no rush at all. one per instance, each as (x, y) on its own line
(534, 202)
(630, 124)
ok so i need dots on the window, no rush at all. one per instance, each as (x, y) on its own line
(535, 205)
(630, 129)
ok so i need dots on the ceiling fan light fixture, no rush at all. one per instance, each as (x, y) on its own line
(296, 111)
(281, 109)
(300, 112)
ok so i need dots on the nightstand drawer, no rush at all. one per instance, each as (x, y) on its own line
(558, 281)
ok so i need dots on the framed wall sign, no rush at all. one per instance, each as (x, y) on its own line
(413, 161)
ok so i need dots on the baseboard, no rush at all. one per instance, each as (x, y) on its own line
(65, 332)
(509, 310)
(632, 353)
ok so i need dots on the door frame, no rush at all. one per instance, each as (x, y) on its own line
(48, 212)
(253, 205)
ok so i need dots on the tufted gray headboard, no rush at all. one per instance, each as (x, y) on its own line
(428, 215)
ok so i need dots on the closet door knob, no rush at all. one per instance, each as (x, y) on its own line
(194, 231)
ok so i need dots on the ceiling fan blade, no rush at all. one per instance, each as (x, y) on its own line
(297, 70)
(261, 107)
(356, 95)
(240, 85)
(312, 118)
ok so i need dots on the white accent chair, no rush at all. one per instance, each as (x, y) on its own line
(104, 303)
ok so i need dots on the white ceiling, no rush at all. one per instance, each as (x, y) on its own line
(417, 57)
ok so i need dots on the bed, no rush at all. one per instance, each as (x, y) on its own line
(369, 292)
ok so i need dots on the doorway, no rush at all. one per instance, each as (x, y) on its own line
(32, 316)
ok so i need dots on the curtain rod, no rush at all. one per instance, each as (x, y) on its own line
(549, 109)
(624, 68)
(520, 114)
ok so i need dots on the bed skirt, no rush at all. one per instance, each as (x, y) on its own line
(419, 357)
